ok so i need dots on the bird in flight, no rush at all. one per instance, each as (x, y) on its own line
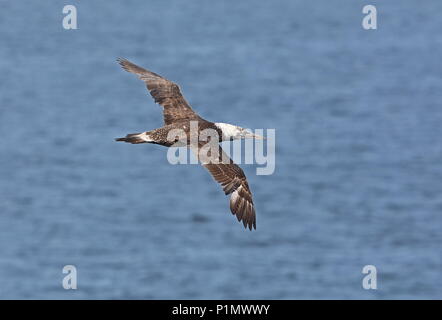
(178, 114)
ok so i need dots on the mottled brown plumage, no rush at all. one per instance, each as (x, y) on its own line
(234, 182)
(177, 115)
(165, 92)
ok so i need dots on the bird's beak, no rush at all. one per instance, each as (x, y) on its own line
(250, 135)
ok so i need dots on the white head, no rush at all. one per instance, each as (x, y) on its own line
(231, 132)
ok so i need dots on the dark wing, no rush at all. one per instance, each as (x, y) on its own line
(234, 182)
(164, 92)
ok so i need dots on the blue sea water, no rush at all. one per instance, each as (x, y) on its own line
(358, 177)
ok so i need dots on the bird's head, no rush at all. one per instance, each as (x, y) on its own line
(232, 132)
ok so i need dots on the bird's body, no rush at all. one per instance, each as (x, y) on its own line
(179, 117)
(160, 135)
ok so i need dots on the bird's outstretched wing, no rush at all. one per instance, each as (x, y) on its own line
(234, 182)
(164, 92)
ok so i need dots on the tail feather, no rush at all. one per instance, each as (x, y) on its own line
(134, 138)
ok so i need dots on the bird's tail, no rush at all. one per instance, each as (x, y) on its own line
(135, 138)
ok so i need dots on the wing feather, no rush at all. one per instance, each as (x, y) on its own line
(234, 182)
(164, 92)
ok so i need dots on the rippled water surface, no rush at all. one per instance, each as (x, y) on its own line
(358, 161)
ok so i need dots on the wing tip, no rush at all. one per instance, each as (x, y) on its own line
(244, 213)
(243, 208)
(252, 222)
(141, 72)
(251, 225)
(124, 63)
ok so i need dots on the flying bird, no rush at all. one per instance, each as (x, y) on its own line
(178, 114)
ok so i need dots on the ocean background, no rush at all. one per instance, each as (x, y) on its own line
(358, 179)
